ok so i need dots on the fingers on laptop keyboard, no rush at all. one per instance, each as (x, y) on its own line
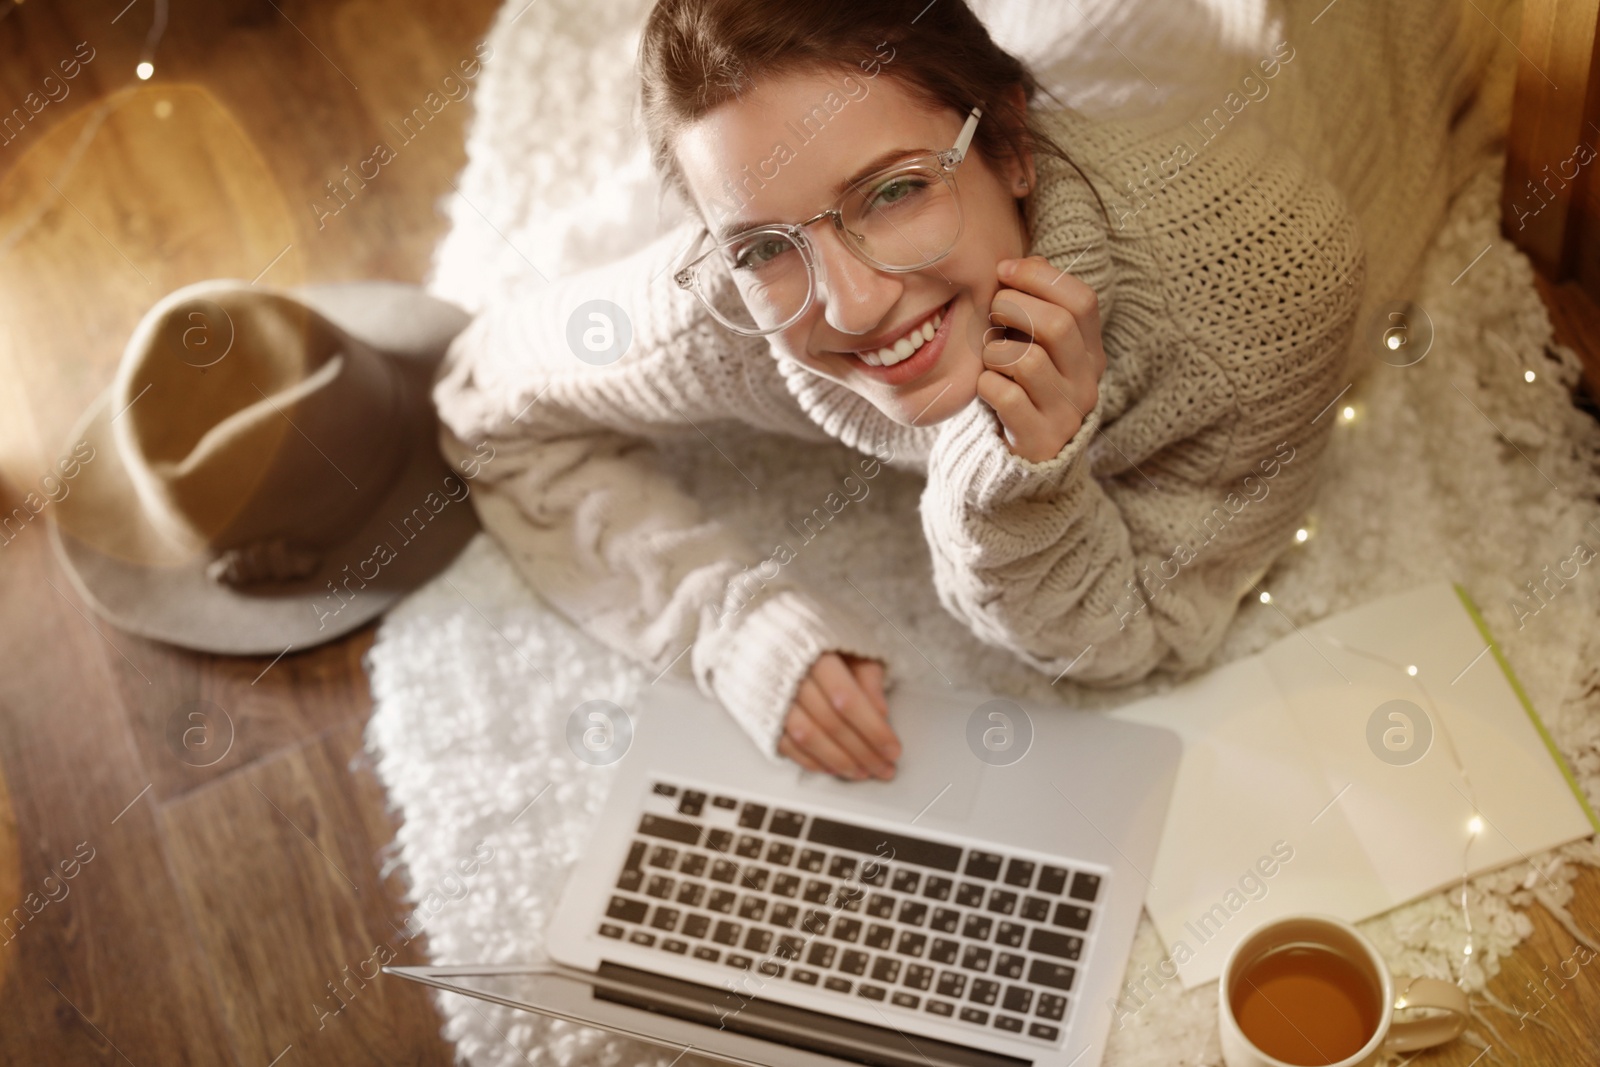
(817, 738)
(834, 696)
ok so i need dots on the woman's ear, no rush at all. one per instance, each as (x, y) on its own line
(1019, 173)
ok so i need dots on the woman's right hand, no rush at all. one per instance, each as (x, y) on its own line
(839, 722)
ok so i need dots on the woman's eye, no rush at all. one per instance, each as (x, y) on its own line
(759, 253)
(895, 190)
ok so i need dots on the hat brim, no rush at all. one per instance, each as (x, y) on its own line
(136, 578)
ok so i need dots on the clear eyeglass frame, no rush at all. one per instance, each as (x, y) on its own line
(944, 165)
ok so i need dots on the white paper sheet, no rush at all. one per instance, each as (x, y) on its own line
(1290, 800)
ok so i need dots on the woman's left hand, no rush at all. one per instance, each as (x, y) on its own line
(1042, 388)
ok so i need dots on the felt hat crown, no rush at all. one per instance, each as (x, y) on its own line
(256, 451)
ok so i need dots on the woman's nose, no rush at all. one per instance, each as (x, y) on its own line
(854, 296)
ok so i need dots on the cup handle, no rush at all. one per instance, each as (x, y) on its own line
(1447, 1015)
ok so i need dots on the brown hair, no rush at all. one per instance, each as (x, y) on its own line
(697, 54)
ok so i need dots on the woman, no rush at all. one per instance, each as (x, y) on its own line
(1108, 346)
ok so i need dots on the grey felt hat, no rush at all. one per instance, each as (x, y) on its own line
(264, 472)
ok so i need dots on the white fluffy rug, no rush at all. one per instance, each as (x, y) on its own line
(1455, 467)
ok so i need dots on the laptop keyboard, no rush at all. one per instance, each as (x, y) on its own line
(914, 923)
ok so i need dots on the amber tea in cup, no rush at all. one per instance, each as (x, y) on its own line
(1307, 1003)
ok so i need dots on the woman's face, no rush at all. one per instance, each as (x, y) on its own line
(857, 307)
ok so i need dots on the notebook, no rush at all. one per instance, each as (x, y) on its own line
(1358, 763)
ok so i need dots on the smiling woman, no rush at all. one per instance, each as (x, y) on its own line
(939, 282)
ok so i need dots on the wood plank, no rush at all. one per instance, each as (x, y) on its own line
(83, 969)
(296, 923)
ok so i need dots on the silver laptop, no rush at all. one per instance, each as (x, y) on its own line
(977, 910)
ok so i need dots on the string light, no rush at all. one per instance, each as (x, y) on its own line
(1528, 375)
(147, 55)
(1266, 597)
(1349, 413)
(1301, 534)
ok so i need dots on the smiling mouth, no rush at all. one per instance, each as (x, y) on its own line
(913, 339)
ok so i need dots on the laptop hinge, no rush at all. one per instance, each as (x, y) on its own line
(830, 1035)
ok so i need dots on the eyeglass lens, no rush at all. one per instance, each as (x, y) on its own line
(899, 221)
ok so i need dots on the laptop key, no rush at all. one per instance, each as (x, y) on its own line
(675, 946)
(984, 991)
(847, 929)
(719, 840)
(911, 944)
(939, 1007)
(822, 954)
(912, 912)
(815, 923)
(686, 833)
(1084, 886)
(784, 915)
(886, 969)
(977, 928)
(1071, 916)
(906, 848)
(879, 936)
(790, 946)
(630, 880)
(779, 854)
(771, 968)
(969, 895)
(663, 789)
(905, 881)
(722, 900)
(610, 930)
(976, 958)
(1010, 934)
(692, 803)
(749, 846)
(724, 871)
(1010, 965)
(1035, 909)
(1002, 901)
(786, 823)
(1018, 998)
(919, 976)
(696, 925)
(1049, 943)
(786, 885)
(1008, 1022)
(837, 984)
(982, 865)
(881, 906)
(944, 950)
(1051, 1006)
(1049, 1033)
(905, 1000)
(1019, 873)
(693, 864)
(707, 953)
(628, 911)
(727, 933)
(854, 961)
(871, 992)
(755, 878)
(811, 860)
(691, 893)
(945, 920)
(724, 802)
(937, 887)
(752, 907)
(665, 918)
(973, 1015)
(1051, 880)
(842, 867)
(752, 815)
(663, 856)
(642, 937)
(874, 874)
(817, 891)
(1054, 975)
(758, 939)
(952, 984)
(734, 959)
(659, 887)
(804, 977)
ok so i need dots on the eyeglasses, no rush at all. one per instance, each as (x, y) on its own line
(902, 218)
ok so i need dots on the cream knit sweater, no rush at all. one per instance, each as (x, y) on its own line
(1229, 277)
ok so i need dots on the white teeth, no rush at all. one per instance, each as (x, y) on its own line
(903, 348)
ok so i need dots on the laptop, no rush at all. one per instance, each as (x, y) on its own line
(975, 911)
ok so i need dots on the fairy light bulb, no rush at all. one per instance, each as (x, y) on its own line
(1528, 375)
(1412, 670)
(144, 70)
(1349, 413)
(1475, 825)
(1266, 597)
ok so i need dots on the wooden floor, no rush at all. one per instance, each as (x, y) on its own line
(227, 894)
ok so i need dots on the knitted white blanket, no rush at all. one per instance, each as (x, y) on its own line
(1455, 467)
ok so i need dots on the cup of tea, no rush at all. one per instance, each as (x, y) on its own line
(1312, 991)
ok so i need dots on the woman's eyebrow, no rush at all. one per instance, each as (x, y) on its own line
(876, 163)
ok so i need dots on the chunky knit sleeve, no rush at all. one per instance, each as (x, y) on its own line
(1236, 292)
(562, 436)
